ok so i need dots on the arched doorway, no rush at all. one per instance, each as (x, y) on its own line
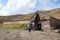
(37, 22)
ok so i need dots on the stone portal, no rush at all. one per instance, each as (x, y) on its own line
(37, 22)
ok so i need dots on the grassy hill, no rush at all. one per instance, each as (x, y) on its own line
(54, 13)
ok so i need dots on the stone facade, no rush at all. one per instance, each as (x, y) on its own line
(45, 21)
(41, 20)
(55, 23)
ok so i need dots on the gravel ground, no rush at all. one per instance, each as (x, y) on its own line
(14, 34)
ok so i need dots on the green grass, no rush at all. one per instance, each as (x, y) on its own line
(13, 26)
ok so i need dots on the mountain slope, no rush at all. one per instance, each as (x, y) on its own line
(53, 13)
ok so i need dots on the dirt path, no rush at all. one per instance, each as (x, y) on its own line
(11, 34)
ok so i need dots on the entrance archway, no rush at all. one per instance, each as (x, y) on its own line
(37, 22)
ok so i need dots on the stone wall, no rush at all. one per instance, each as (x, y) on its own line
(55, 23)
(46, 25)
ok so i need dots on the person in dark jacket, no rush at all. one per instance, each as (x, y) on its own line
(29, 27)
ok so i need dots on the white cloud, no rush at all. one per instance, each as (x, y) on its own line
(32, 4)
(14, 5)
(1, 6)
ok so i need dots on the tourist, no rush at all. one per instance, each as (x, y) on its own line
(29, 27)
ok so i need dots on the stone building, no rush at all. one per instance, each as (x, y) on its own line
(41, 20)
(45, 21)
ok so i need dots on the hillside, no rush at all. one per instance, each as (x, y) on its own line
(8, 18)
(54, 13)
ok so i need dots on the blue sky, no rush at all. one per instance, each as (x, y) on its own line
(13, 7)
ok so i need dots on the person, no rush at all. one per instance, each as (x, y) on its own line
(33, 27)
(29, 27)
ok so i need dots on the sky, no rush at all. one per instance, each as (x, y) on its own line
(13, 7)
